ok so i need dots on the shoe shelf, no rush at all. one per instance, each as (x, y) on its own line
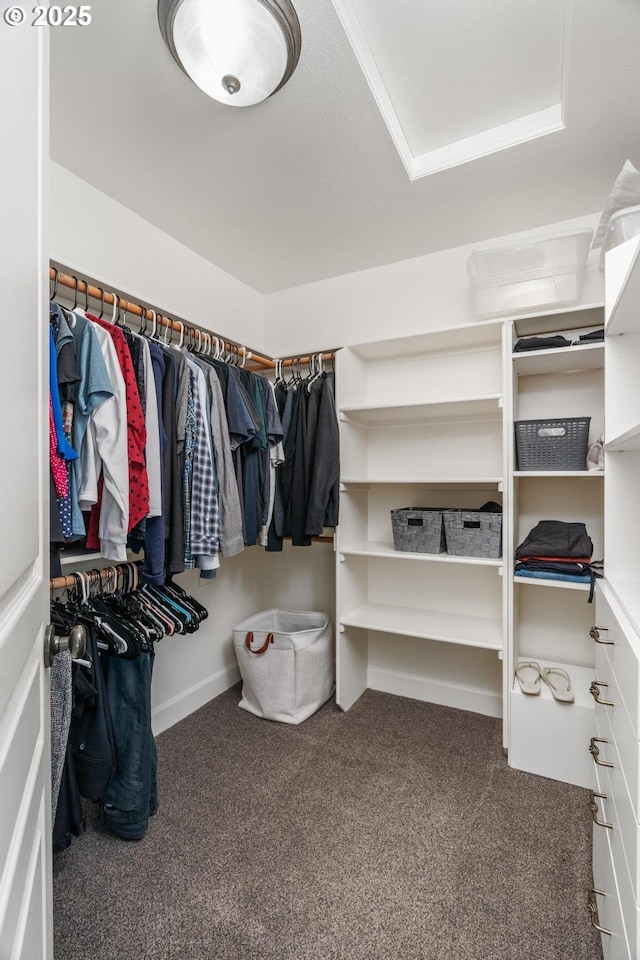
(589, 356)
(388, 552)
(581, 680)
(457, 408)
(470, 631)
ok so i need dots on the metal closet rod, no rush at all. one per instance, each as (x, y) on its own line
(104, 573)
(104, 297)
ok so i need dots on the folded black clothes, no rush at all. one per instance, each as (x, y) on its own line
(555, 566)
(490, 507)
(560, 569)
(540, 343)
(555, 538)
(594, 336)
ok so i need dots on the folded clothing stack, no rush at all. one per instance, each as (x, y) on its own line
(557, 340)
(556, 550)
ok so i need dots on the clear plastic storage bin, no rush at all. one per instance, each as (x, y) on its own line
(623, 226)
(539, 275)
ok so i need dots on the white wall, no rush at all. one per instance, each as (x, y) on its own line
(398, 299)
(95, 236)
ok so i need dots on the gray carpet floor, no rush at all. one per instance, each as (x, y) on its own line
(396, 830)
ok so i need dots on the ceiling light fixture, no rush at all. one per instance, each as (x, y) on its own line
(237, 51)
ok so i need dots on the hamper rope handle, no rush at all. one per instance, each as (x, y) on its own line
(248, 640)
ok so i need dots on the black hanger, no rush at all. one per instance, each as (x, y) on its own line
(75, 300)
(55, 284)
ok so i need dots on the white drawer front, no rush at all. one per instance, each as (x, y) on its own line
(624, 833)
(614, 724)
(609, 914)
(618, 639)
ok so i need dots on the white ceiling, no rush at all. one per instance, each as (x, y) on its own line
(310, 184)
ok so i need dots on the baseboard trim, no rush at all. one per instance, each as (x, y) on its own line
(166, 714)
(474, 699)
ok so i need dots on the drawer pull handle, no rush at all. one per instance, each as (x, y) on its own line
(593, 806)
(593, 911)
(594, 633)
(595, 692)
(595, 753)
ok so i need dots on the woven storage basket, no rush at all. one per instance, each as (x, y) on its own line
(418, 530)
(552, 444)
(473, 533)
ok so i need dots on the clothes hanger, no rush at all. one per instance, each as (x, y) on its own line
(55, 285)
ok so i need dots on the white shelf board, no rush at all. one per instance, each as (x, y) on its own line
(433, 481)
(627, 592)
(465, 408)
(624, 317)
(561, 584)
(581, 680)
(73, 559)
(629, 440)
(560, 360)
(387, 551)
(468, 336)
(559, 473)
(455, 628)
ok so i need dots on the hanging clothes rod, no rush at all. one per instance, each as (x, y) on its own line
(103, 297)
(106, 573)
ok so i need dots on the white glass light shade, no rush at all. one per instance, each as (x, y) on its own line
(237, 51)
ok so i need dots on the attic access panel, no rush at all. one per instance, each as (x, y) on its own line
(456, 80)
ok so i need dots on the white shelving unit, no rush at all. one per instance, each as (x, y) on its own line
(549, 620)
(428, 421)
(616, 720)
(421, 423)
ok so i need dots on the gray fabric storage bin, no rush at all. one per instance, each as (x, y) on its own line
(286, 662)
(418, 530)
(473, 533)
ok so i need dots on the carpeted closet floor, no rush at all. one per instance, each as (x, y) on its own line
(393, 831)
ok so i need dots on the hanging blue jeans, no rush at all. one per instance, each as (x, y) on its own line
(131, 797)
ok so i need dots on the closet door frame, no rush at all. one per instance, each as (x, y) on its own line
(26, 929)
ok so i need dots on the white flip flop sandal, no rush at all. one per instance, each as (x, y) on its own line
(559, 682)
(528, 676)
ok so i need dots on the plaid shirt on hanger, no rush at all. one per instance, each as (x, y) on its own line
(205, 511)
(187, 474)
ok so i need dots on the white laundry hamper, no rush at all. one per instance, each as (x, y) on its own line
(286, 663)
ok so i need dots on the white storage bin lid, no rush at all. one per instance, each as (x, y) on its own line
(623, 225)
